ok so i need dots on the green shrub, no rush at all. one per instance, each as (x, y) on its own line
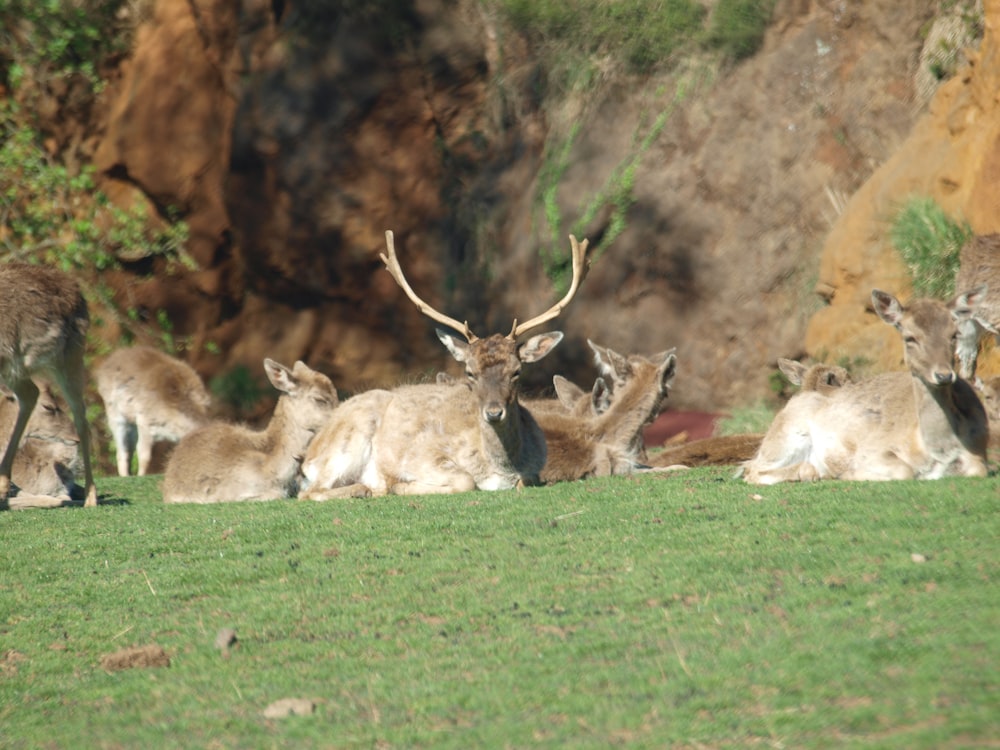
(641, 33)
(737, 27)
(929, 241)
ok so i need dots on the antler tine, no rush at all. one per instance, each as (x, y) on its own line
(581, 265)
(392, 265)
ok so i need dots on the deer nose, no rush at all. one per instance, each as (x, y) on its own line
(944, 377)
(494, 413)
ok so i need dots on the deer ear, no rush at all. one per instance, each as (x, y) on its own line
(568, 392)
(459, 349)
(600, 396)
(538, 346)
(794, 371)
(668, 370)
(280, 376)
(609, 362)
(887, 307)
(964, 306)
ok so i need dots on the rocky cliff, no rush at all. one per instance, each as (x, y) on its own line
(289, 148)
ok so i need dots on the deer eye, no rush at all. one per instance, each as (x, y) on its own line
(471, 376)
(910, 340)
(516, 375)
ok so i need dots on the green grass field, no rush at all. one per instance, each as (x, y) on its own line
(686, 611)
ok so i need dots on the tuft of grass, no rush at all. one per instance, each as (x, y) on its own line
(753, 418)
(736, 27)
(929, 241)
(664, 611)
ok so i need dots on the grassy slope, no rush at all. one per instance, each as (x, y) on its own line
(686, 611)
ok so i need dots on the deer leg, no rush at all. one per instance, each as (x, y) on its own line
(70, 378)
(124, 434)
(145, 447)
(351, 490)
(27, 396)
(446, 484)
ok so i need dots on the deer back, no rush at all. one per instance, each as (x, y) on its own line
(145, 386)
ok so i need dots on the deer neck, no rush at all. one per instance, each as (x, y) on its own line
(952, 423)
(621, 425)
(515, 445)
(284, 439)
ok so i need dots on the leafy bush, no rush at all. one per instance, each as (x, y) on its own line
(43, 39)
(929, 241)
(52, 215)
(737, 27)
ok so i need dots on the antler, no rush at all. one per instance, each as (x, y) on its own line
(392, 265)
(581, 265)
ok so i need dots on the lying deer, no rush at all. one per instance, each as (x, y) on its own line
(609, 443)
(149, 397)
(979, 265)
(47, 460)
(441, 438)
(223, 462)
(43, 328)
(730, 450)
(924, 424)
(819, 377)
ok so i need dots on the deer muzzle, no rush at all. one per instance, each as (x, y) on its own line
(494, 413)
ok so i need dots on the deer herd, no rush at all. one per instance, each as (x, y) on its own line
(479, 432)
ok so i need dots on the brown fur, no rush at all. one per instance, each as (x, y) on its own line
(979, 267)
(43, 326)
(924, 424)
(224, 462)
(609, 443)
(45, 466)
(149, 397)
(720, 450)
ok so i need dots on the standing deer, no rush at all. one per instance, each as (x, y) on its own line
(223, 462)
(924, 424)
(979, 265)
(611, 442)
(149, 397)
(46, 462)
(440, 438)
(43, 327)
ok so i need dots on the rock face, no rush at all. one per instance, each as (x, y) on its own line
(953, 155)
(290, 143)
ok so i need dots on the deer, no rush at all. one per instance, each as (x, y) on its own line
(47, 460)
(732, 450)
(820, 377)
(43, 327)
(223, 462)
(979, 265)
(149, 397)
(609, 443)
(440, 438)
(924, 423)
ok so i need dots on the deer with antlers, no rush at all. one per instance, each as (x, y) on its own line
(441, 438)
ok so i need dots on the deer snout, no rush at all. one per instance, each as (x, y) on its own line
(944, 377)
(494, 413)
